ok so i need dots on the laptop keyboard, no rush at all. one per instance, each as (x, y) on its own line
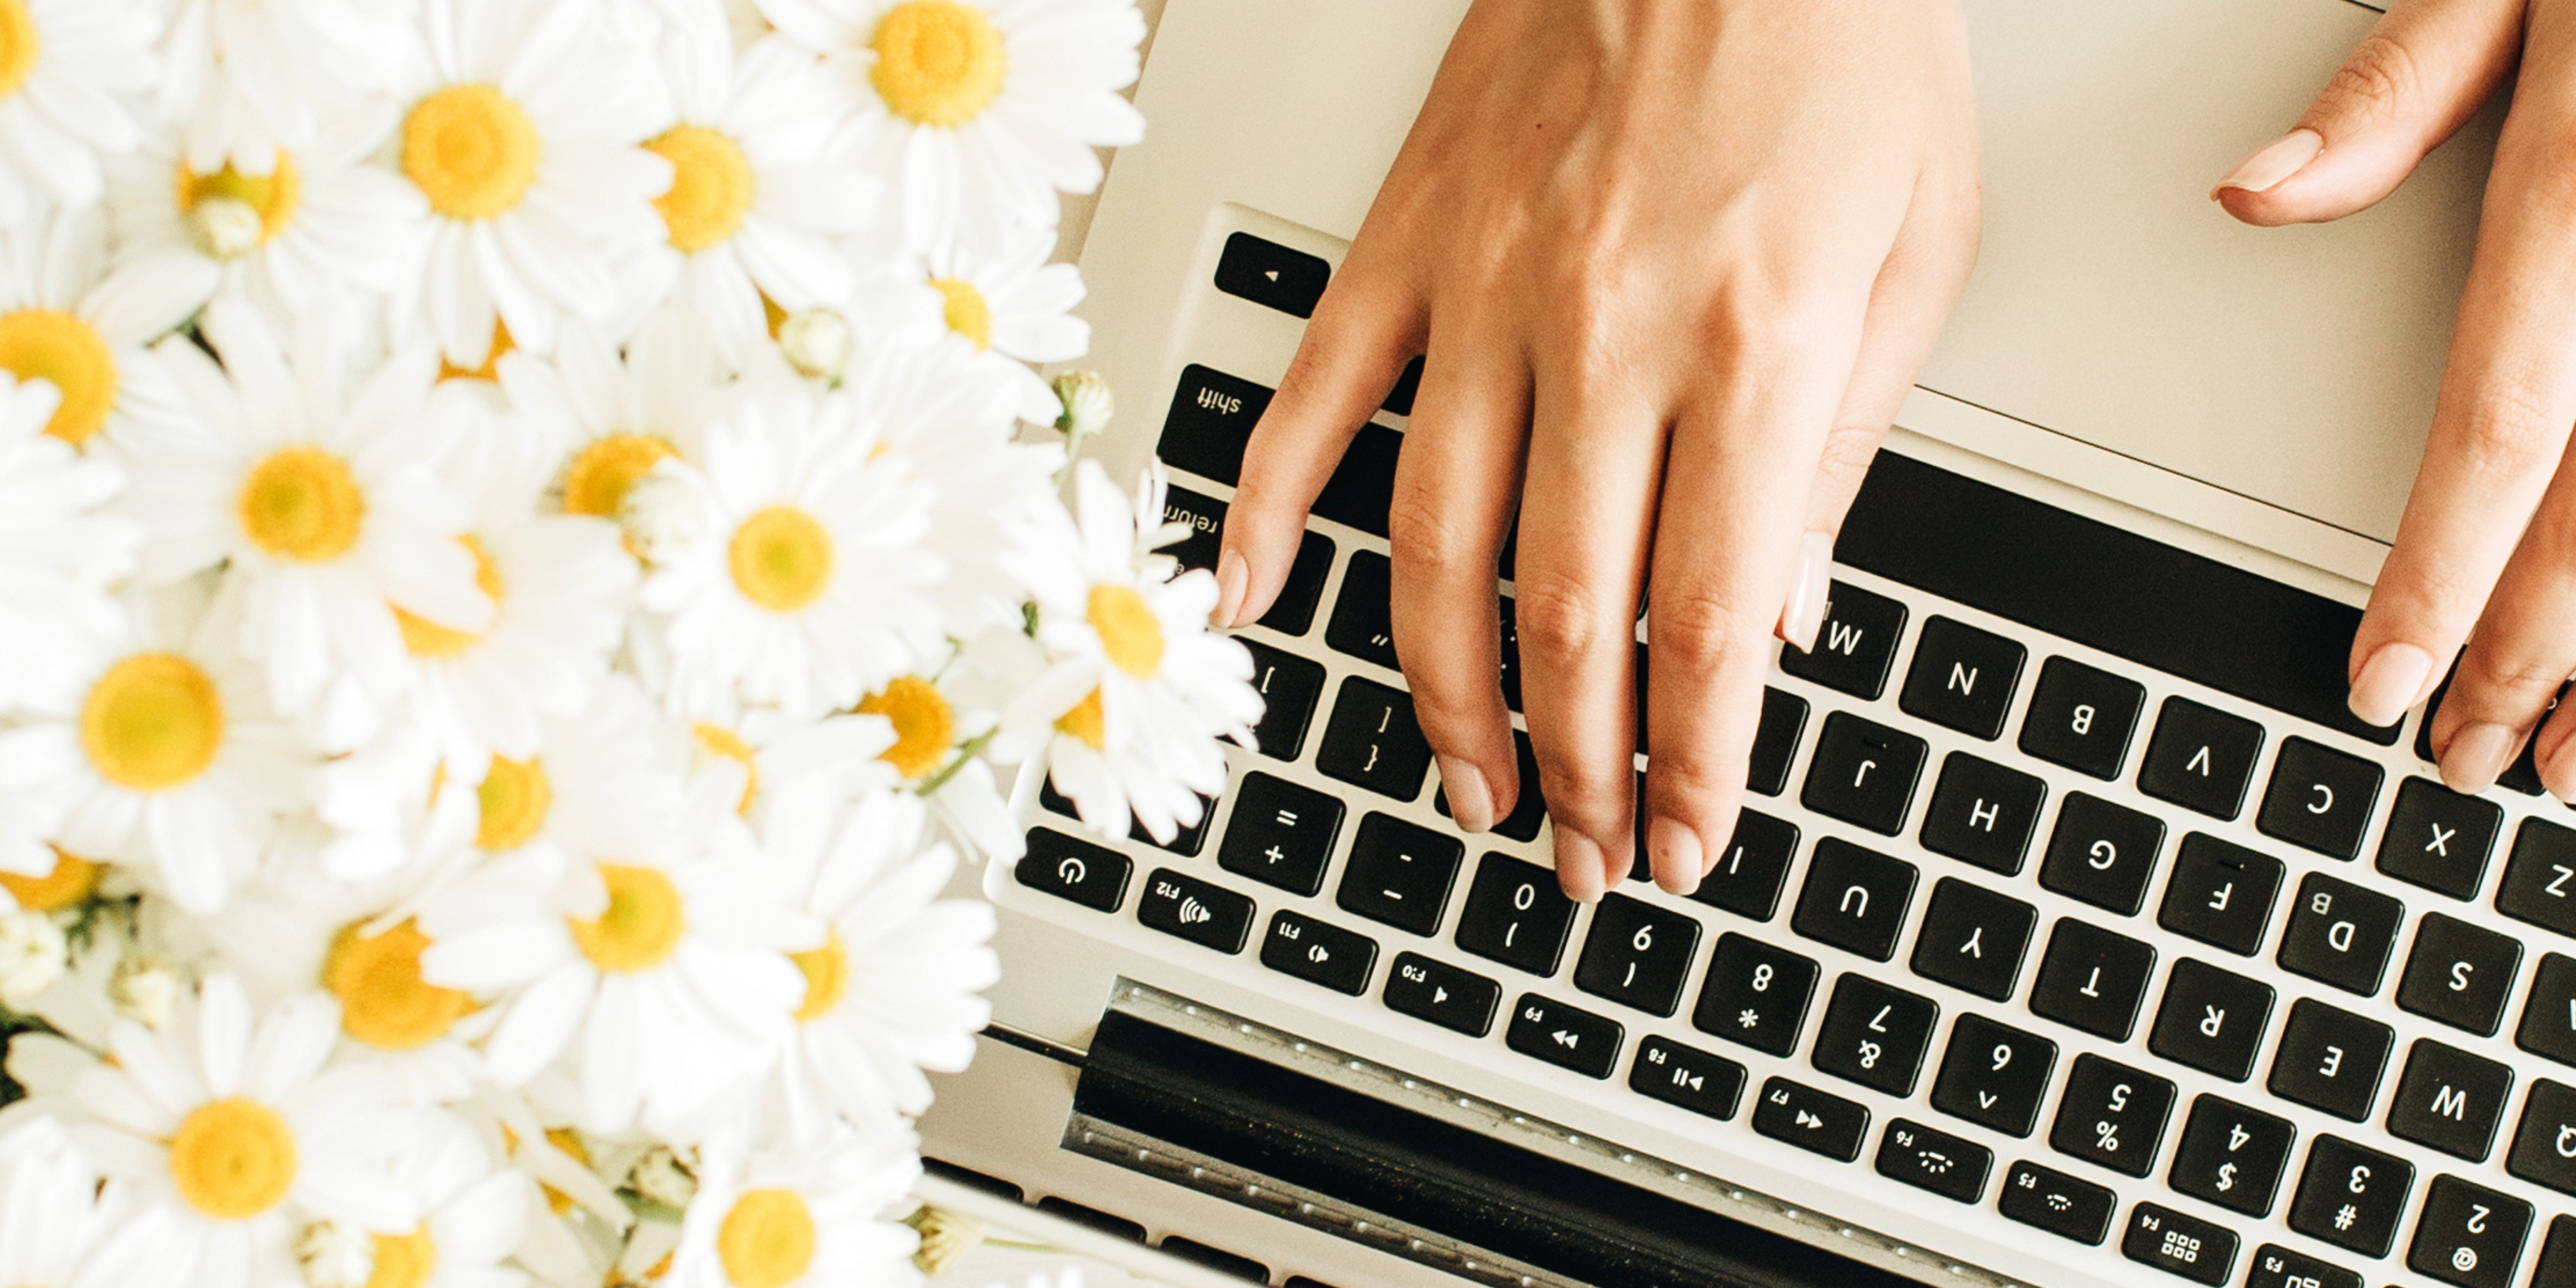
(2010, 922)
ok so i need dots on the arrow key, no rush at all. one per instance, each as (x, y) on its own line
(1564, 1036)
(1934, 1160)
(1686, 1076)
(1810, 1119)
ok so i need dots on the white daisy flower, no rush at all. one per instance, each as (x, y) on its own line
(166, 758)
(811, 584)
(249, 79)
(780, 758)
(58, 552)
(1013, 309)
(977, 108)
(473, 1214)
(611, 418)
(52, 1210)
(525, 140)
(62, 321)
(65, 69)
(324, 502)
(233, 1138)
(800, 1220)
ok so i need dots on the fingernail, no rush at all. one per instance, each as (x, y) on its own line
(1804, 614)
(2389, 683)
(1471, 803)
(2477, 757)
(1676, 853)
(2278, 160)
(1233, 575)
(1578, 867)
(2558, 772)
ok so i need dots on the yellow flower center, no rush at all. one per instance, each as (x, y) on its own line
(767, 1240)
(71, 883)
(642, 924)
(44, 344)
(514, 797)
(404, 1260)
(925, 727)
(152, 723)
(426, 638)
(19, 45)
(384, 1002)
(718, 742)
(968, 313)
(939, 62)
(503, 344)
(471, 150)
(597, 481)
(233, 1159)
(711, 186)
(1129, 632)
(275, 196)
(782, 559)
(1086, 722)
(302, 503)
(827, 977)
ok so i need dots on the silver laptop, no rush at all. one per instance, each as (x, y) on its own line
(2150, 965)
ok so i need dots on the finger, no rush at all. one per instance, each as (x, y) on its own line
(1595, 443)
(2420, 74)
(1455, 483)
(1365, 328)
(2508, 397)
(2523, 650)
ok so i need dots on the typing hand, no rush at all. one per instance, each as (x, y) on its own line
(1672, 265)
(2486, 553)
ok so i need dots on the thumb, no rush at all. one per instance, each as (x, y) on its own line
(2423, 70)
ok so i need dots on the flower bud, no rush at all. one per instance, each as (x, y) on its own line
(33, 955)
(334, 1255)
(225, 227)
(662, 516)
(144, 991)
(1087, 403)
(945, 1236)
(816, 341)
(661, 1177)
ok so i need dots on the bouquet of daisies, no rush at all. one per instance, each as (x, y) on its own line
(528, 538)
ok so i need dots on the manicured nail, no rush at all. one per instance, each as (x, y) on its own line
(2278, 160)
(1578, 867)
(2477, 757)
(1676, 853)
(1233, 576)
(2558, 772)
(1471, 803)
(2391, 681)
(1804, 614)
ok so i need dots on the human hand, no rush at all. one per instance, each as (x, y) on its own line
(2486, 553)
(1673, 264)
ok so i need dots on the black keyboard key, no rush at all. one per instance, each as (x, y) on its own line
(2468, 1234)
(1272, 275)
(1319, 952)
(1294, 610)
(2351, 1196)
(2112, 1115)
(2092, 979)
(2539, 883)
(2557, 1267)
(1290, 688)
(1399, 873)
(1091, 875)
(2103, 854)
(2459, 974)
(1565, 1036)
(1528, 810)
(1983, 813)
(2549, 1017)
(1282, 834)
(1399, 399)
(1637, 954)
(1854, 899)
(2178, 1244)
(1686, 1077)
(2221, 894)
(1185, 907)
(2279, 1267)
(1812, 1120)
(1372, 740)
(1931, 1159)
(1994, 1075)
(1755, 994)
(2081, 717)
(1855, 646)
(1863, 773)
(1775, 741)
(2450, 1100)
(1748, 876)
(2058, 1203)
(1875, 1035)
(2439, 839)
(1508, 619)
(1516, 914)
(1443, 994)
(2319, 798)
(1363, 485)
(1360, 625)
(1211, 419)
(2341, 934)
(2200, 758)
(2544, 1147)
(1973, 939)
(2232, 1156)
(2211, 1020)
(1962, 678)
(2330, 1059)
